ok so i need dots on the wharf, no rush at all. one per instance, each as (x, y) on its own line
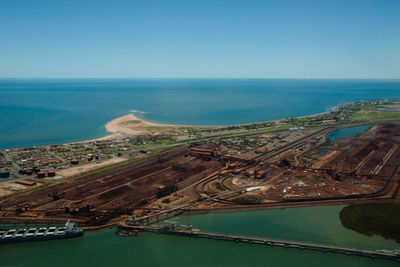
(188, 232)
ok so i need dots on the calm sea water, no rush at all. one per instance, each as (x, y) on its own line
(104, 248)
(48, 111)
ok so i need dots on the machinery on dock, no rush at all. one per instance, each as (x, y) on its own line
(171, 226)
(69, 230)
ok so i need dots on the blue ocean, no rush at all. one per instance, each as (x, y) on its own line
(50, 111)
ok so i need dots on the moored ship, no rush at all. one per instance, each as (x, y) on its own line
(40, 233)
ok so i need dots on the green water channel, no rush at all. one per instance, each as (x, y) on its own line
(104, 248)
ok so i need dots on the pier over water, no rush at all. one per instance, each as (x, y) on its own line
(188, 231)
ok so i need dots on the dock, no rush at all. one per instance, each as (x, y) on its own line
(272, 242)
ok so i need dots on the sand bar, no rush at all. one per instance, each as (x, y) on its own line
(132, 125)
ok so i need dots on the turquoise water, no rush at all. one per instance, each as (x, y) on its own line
(48, 111)
(104, 248)
(347, 132)
(389, 109)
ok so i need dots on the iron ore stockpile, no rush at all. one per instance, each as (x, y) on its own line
(99, 198)
(377, 157)
(281, 169)
(311, 172)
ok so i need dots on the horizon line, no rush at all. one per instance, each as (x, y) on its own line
(248, 78)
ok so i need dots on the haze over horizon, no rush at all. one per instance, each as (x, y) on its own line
(207, 39)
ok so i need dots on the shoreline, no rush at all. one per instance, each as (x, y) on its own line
(113, 128)
(117, 127)
(117, 131)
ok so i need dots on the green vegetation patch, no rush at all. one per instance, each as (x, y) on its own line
(133, 122)
(373, 219)
(309, 179)
(246, 200)
(328, 142)
(374, 115)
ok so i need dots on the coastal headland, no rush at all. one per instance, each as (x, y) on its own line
(159, 171)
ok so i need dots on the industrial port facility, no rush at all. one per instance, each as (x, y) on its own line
(299, 163)
(289, 169)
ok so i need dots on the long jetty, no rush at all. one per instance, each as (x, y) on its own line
(382, 254)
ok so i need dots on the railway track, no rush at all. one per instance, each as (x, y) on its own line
(281, 149)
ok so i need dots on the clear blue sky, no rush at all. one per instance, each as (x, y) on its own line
(204, 38)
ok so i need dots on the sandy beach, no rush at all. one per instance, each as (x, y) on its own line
(132, 125)
(119, 125)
